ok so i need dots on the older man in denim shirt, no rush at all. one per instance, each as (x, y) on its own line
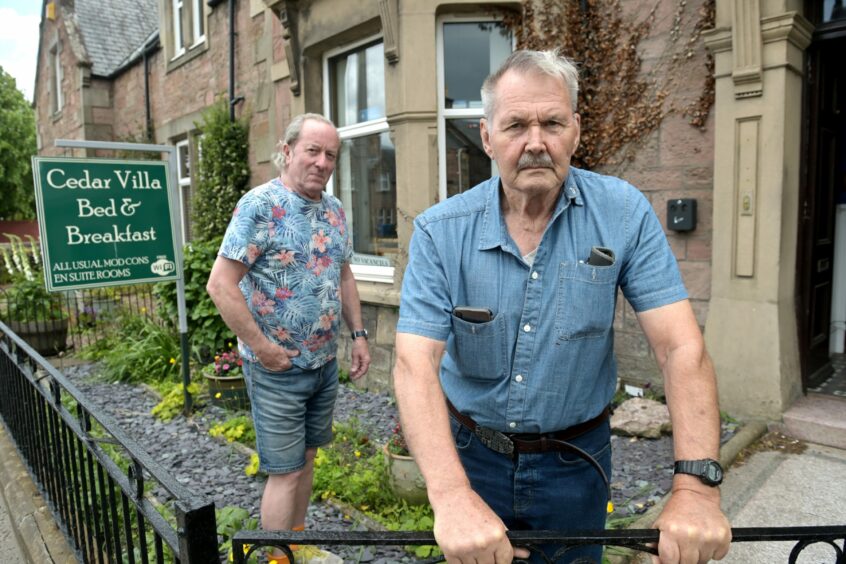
(505, 340)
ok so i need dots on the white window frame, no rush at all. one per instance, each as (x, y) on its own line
(177, 11)
(183, 181)
(365, 273)
(445, 113)
(58, 99)
(198, 22)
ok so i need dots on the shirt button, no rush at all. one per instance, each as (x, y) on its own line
(519, 378)
(527, 327)
(512, 424)
(535, 275)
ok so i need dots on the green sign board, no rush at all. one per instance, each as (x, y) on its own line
(104, 222)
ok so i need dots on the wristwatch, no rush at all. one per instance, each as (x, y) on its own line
(356, 334)
(707, 470)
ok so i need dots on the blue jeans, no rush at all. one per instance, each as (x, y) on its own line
(555, 491)
(292, 411)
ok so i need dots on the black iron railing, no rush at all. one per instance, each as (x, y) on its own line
(249, 543)
(92, 475)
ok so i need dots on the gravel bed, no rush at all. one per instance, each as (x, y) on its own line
(642, 467)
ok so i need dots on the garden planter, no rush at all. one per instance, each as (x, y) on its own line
(404, 478)
(228, 391)
(47, 337)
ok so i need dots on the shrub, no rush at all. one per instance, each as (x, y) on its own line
(206, 330)
(223, 170)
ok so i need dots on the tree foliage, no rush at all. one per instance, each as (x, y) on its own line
(223, 170)
(17, 145)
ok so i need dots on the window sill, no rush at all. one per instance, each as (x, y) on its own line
(193, 52)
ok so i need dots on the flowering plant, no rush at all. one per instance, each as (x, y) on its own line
(226, 364)
(28, 299)
(396, 443)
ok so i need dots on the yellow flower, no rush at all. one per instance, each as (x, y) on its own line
(358, 454)
(217, 357)
(217, 395)
(610, 507)
(172, 360)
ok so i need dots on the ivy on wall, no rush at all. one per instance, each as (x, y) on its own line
(620, 101)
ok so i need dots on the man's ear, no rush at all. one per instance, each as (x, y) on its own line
(287, 152)
(486, 137)
(577, 121)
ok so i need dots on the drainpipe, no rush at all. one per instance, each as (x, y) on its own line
(233, 100)
(149, 113)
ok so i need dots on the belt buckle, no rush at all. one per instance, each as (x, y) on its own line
(495, 440)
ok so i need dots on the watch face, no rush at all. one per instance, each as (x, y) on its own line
(713, 472)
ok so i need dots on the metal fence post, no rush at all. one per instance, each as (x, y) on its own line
(197, 531)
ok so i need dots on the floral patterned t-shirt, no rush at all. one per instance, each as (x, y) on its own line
(294, 248)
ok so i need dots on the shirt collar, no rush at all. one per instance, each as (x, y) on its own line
(493, 235)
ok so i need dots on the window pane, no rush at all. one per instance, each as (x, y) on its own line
(834, 10)
(184, 160)
(358, 85)
(471, 52)
(467, 164)
(367, 182)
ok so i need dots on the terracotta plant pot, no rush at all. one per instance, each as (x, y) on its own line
(405, 478)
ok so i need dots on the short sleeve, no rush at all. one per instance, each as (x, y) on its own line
(425, 306)
(650, 277)
(246, 236)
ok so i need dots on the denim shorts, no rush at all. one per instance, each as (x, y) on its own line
(555, 491)
(292, 411)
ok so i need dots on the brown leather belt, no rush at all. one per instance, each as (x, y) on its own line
(510, 443)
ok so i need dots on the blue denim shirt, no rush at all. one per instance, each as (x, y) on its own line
(545, 361)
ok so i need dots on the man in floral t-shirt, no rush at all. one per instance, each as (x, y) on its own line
(281, 281)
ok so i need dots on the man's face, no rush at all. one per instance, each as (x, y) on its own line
(533, 132)
(311, 160)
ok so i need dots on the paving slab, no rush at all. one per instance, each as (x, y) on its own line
(778, 489)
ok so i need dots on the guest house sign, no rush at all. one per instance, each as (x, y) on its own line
(104, 222)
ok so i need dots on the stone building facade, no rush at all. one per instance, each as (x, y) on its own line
(400, 78)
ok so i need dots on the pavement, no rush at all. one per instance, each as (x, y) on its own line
(28, 532)
(780, 483)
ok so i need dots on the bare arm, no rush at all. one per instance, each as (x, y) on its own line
(224, 292)
(693, 528)
(351, 310)
(466, 529)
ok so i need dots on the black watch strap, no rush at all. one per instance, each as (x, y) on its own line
(356, 334)
(707, 470)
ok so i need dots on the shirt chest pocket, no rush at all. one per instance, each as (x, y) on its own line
(480, 350)
(585, 300)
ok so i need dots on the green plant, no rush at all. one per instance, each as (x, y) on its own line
(396, 442)
(174, 401)
(17, 145)
(223, 172)
(238, 428)
(353, 470)
(27, 299)
(230, 520)
(152, 354)
(225, 364)
(206, 330)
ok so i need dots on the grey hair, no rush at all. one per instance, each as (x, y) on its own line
(292, 135)
(549, 63)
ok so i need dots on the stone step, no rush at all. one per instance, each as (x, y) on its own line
(819, 419)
